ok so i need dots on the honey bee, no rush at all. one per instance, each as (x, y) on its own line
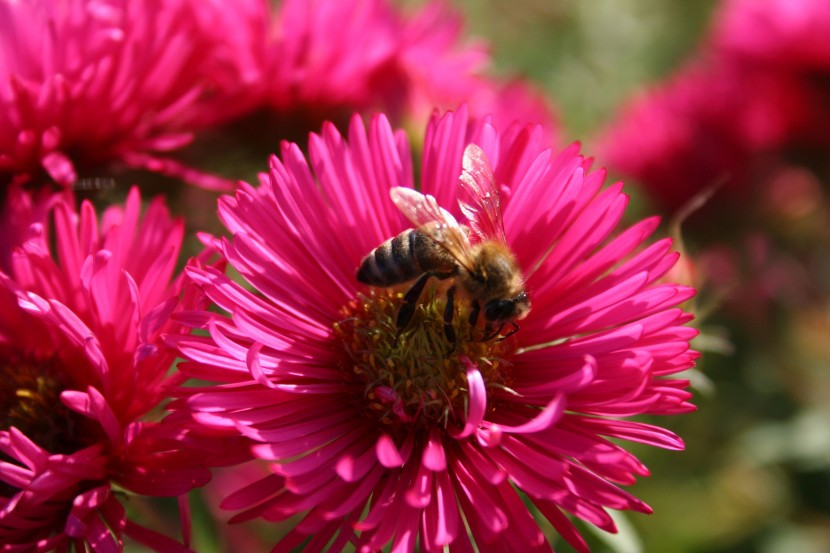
(476, 256)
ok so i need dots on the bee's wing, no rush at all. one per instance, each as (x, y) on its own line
(434, 221)
(479, 196)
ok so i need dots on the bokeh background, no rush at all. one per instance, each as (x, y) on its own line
(755, 476)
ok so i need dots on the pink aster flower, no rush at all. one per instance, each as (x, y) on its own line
(377, 435)
(83, 366)
(699, 130)
(87, 83)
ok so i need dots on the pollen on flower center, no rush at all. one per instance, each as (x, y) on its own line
(416, 376)
(30, 401)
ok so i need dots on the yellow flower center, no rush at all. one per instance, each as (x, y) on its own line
(416, 375)
(30, 401)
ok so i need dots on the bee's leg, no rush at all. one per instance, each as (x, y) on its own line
(489, 333)
(410, 299)
(410, 302)
(474, 313)
(513, 331)
(449, 312)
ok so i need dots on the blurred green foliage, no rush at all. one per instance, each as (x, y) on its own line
(587, 55)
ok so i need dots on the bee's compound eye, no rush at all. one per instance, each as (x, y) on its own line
(498, 310)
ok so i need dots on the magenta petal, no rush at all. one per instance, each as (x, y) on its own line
(477, 400)
(252, 359)
(25, 450)
(359, 495)
(153, 539)
(552, 412)
(482, 465)
(387, 452)
(445, 514)
(434, 457)
(156, 318)
(93, 405)
(254, 492)
(60, 168)
(13, 475)
(419, 493)
(563, 525)
(77, 522)
(489, 435)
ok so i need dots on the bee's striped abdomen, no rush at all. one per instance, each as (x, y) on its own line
(403, 258)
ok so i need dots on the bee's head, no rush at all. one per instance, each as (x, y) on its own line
(513, 309)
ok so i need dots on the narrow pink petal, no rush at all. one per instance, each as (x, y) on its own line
(82, 506)
(480, 464)
(14, 475)
(312, 482)
(524, 532)
(152, 322)
(154, 540)
(339, 451)
(59, 167)
(387, 452)
(545, 419)
(577, 375)
(477, 400)
(406, 534)
(526, 476)
(434, 457)
(442, 514)
(358, 496)
(252, 360)
(480, 504)
(563, 525)
(175, 169)
(378, 510)
(254, 493)
(635, 432)
(352, 469)
(26, 451)
(93, 405)
(419, 492)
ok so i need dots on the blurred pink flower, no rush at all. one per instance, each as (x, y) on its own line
(793, 33)
(700, 129)
(87, 83)
(325, 53)
(756, 89)
(331, 58)
(790, 41)
(83, 365)
(19, 210)
(434, 69)
(376, 441)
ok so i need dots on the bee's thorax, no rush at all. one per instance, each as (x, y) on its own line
(496, 274)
